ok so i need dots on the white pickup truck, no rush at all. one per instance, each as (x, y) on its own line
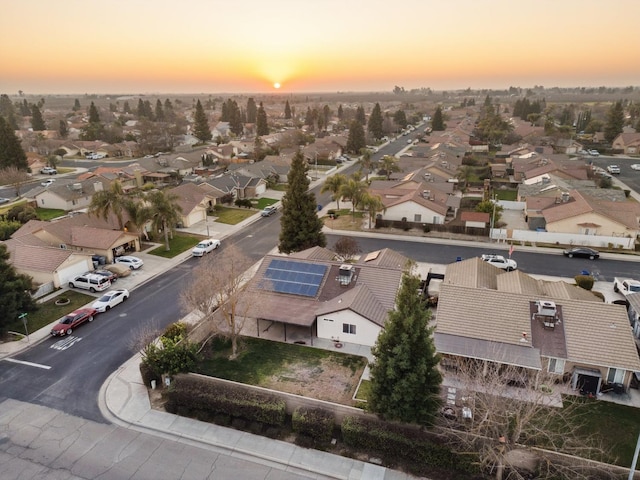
(626, 286)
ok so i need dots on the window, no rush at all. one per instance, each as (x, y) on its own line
(417, 217)
(556, 365)
(348, 328)
(616, 375)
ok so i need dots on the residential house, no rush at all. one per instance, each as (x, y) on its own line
(312, 294)
(627, 143)
(194, 202)
(495, 317)
(69, 197)
(239, 186)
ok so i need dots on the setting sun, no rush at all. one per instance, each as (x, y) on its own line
(276, 85)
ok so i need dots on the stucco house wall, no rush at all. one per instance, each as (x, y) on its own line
(411, 210)
(331, 327)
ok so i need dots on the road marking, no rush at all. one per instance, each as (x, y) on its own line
(65, 343)
(30, 364)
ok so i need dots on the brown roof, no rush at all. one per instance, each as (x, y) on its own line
(475, 217)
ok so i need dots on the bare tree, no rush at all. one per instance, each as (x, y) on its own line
(518, 420)
(346, 248)
(218, 293)
(15, 177)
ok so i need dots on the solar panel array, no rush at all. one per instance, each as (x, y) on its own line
(297, 278)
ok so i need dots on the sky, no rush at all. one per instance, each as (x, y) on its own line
(249, 46)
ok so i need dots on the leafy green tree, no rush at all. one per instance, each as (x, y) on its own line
(374, 127)
(389, 164)
(492, 208)
(287, 111)
(615, 122)
(22, 213)
(11, 152)
(353, 189)
(37, 122)
(201, 128)
(165, 213)
(262, 127)
(405, 380)
(107, 202)
(172, 356)
(333, 184)
(14, 294)
(437, 122)
(300, 226)
(139, 213)
(252, 111)
(356, 140)
(400, 119)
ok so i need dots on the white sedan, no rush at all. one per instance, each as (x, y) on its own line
(134, 263)
(635, 166)
(110, 299)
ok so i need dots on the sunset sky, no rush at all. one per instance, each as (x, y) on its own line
(242, 46)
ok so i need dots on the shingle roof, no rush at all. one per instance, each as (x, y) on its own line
(473, 272)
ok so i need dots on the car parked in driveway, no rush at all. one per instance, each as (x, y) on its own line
(110, 299)
(500, 261)
(48, 171)
(70, 322)
(134, 263)
(582, 252)
(120, 269)
(268, 211)
(205, 246)
(91, 282)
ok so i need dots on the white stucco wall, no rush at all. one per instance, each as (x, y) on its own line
(410, 210)
(330, 328)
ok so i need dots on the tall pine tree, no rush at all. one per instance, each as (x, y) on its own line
(11, 152)
(287, 111)
(437, 122)
(356, 140)
(615, 122)
(405, 380)
(37, 122)
(14, 294)
(252, 111)
(300, 226)
(374, 127)
(262, 126)
(201, 128)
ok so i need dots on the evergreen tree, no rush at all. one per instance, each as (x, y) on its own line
(360, 116)
(262, 126)
(252, 111)
(37, 122)
(7, 111)
(437, 122)
(126, 108)
(615, 122)
(94, 130)
(340, 113)
(11, 152)
(326, 116)
(159, 113)
(63, 130)
(300, 226)
(235, 118)
(356, 139)
(141, 112)
(94, 117)
(405, 380)
(14, 294)
(76, 105)
(25, 109)
(201, 128)
(374, 127)
(400, 119)
(309, 118)
(287, 111)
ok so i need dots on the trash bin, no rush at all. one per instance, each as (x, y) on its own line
(458, 259)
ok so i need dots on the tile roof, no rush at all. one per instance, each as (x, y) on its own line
(473, 272)
(41, 259)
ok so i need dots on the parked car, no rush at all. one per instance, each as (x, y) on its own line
(594, 153)
(205, 246)
(110, 299)
(113, 277)
(48, 171)
(120, 269)
(4, 200)
(268, 211)
(91, 282)
(613, 169)
(500, 261)
(582, 252)
(134, 263)
(69, 322)
(48, 181)
(635, 166)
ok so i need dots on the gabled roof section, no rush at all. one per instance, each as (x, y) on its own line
(385, 258)
(473, 272)
(360, 300)
(40, 259)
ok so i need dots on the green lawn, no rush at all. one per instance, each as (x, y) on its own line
(49, 213)
(509, 195)
(181, 242)
(264, 202)
(231, 215)
(363, 390)
(260, 358)
(48, 312)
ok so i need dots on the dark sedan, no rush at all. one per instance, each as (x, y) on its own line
(582, 252)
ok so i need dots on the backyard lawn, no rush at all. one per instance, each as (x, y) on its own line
(231, 215)
(181, 242)
(45, 214)
(297, 369)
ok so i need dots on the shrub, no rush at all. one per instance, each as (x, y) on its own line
(175, 331)
(584, 281)
(315, 423)
(198, 393)
(243, 202)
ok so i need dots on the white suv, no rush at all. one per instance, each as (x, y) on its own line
(91, 282)
(500, 262)
(205, 246)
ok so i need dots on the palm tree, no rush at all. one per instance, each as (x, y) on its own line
(372, 204)
(365, 162)
(109, 201)
(139, 213)
(465, 175)
(353, 190)
(333, 184)
(389, 164)
(165, 213)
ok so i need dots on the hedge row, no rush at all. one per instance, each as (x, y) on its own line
(402, 444)
(194, 394)
(315, 424)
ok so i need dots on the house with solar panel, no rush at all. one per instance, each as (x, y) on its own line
(312, 294)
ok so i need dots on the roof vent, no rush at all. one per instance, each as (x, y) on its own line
(77, 187)
(345, 274)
